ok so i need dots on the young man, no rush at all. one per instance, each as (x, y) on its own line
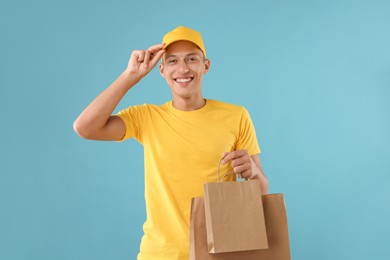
(184, 139)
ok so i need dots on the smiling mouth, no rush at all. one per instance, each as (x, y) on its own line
(183, 80)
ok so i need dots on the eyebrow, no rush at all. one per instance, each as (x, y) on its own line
(189, 54)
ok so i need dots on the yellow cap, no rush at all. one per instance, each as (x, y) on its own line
(182, 33)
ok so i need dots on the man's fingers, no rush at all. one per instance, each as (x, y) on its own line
(227, 157)
(157, 56)
(139, 55)
(152, 59)
(244, 170)
(156, 51)
(146, 58)
(233, 155)
(156, 48)
(150, 56)
(246, 174)
(240, 161)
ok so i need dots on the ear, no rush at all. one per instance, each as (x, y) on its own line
(161, 69)
(206, 66)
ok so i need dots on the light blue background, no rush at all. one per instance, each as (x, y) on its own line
(315, 76)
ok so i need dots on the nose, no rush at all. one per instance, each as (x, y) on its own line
(183, 67)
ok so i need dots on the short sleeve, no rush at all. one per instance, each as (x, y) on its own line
(247, 135)
(133, 117)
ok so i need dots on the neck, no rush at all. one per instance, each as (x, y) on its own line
(188, 104)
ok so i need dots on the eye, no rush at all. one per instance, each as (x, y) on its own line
(172, 61)
(192, 59)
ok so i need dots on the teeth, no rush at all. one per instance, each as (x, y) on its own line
(183, 80)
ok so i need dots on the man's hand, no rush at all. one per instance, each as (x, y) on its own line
(241, 163)
(143, 61)
(246, 166)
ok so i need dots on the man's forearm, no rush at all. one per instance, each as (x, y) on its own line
(263, 182)
(257, 173)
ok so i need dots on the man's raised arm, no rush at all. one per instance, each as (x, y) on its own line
(96, 121)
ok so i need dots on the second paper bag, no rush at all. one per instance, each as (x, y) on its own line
(234, 216)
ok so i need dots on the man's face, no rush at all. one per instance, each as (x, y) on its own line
(183, 66)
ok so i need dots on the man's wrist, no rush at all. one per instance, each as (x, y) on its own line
(131, 78)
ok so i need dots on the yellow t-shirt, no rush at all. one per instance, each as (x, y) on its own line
(181, 152)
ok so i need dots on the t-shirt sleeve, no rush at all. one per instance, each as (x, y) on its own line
(247, 135)
(133, 117)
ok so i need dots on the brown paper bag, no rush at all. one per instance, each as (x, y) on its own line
(277, 233)
(234, 216)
